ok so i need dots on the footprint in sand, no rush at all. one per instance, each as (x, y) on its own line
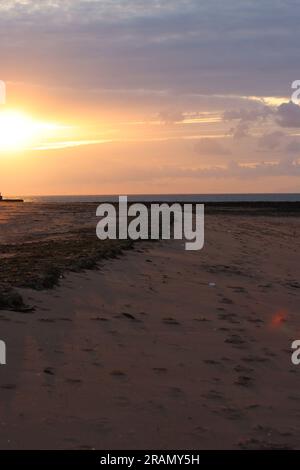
(118, 373)
(74, 381)
(257, 444)
(176, 392)
(244, 381)
(160, 370)
(230, 413)
(211, 362)
(242, 369)
(128, 316)
(213, 395)
(46, 320)
(170, 321)
(230, 317)
(9, 386)
(235, 340)
(99, 319)
(254, 359)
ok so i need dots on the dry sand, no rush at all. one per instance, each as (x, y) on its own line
(162, 348)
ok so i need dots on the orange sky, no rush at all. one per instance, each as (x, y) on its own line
(138, 100)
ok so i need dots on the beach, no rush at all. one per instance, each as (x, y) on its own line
(149, 346)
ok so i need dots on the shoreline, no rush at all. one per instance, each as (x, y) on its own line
(37, 250)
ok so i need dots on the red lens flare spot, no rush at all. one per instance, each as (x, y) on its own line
(279, 318)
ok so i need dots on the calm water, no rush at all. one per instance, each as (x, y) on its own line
(288, 197)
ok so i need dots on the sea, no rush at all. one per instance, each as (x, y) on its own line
(184, 198)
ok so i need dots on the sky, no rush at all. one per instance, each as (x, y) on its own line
(149, 96)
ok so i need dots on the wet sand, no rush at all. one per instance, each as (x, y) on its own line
(162, 348)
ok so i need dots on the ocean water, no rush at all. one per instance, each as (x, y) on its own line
(267, 197)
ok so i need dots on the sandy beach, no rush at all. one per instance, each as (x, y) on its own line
(158, 347)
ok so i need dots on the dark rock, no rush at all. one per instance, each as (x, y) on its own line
(10, 299)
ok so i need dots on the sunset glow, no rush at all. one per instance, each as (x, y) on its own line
(19, 131)
(135, 97)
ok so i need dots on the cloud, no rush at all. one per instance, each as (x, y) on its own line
(247, 117)
(208, 147)
(271, 141)
(288, 115)
(67, 144)
(240, 131)
(171, 116)
(293, 147)
(259, 111)
(210, 47)
(283, 167)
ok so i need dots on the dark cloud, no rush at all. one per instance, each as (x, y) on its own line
(245, 117)
(259, 111)
(288, 115)
(240, 131)
(245, 48)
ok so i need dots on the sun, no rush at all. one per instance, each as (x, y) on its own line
(18, 130)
